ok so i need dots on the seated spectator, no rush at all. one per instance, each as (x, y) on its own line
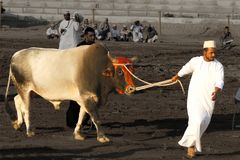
(52, 32)
(152, 35)
(115, 33)
(137, 30)
(104, 30)
(85, 24)
(125, 33)
(226, 39)
(95, 27)
(2, 9)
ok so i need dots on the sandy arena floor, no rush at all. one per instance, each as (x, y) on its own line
(144, 126)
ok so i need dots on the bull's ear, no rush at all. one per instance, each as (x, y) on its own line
(107, 72)
(111, 58)
(134, 59)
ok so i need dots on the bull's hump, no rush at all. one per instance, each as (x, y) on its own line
(34, 49)
(37, 48)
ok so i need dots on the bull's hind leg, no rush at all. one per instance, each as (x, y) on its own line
(19, 105)
(25, 110)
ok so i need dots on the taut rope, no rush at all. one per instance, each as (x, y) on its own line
(150, 85)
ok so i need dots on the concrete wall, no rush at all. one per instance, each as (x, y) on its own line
(126, 10)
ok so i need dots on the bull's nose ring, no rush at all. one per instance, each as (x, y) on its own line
(130, 90)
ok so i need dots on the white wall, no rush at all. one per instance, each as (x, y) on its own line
(125, 10)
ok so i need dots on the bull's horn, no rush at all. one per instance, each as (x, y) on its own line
(111, 58)
(134, 59)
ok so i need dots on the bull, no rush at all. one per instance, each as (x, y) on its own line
(85, 74)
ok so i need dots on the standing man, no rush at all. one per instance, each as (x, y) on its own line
(70, 31)
(73, 109)
(88, 37)
(206, 83)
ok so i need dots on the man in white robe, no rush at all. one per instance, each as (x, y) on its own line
(52, 32)
(137, 30)
(206, 82)
(70, 32)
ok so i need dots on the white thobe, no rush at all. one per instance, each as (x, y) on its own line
(205, 77)
(137, 34)
(71, 37)
(115, 33)
(51, 31)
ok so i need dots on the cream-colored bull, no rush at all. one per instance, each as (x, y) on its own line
(84, 74)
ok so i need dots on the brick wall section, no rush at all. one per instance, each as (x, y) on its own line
(125, 10)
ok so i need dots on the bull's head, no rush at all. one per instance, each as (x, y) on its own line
(122, 66)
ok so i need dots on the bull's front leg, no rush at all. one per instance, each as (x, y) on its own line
(92, 109)
(77, 134)
(101, 137)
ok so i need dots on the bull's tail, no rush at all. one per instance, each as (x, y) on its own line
(7, 107)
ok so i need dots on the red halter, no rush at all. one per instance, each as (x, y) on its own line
(127, 76)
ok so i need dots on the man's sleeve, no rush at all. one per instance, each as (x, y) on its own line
(76, 26)
(60, 27)
(48, 32)
(131, 28)
(220, 77)
(101, 26)
(187, 68)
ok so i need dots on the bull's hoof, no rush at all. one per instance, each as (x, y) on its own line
(30, 134)
(57, 108)
(103, 139)
(78, 137)
(15, 125)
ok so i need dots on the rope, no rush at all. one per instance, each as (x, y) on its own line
(149, 85)
(180, 83)
(132, 73)
(161, 84)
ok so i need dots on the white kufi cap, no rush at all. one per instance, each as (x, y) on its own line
(209, 44)
(66, 12)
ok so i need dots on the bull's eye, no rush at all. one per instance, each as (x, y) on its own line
(120, 72)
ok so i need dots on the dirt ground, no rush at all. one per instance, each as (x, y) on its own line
(146, 125)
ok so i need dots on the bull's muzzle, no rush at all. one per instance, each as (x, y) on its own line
(130, 89)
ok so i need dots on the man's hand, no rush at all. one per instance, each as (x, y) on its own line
(62, 31)
(175, 78)
(214, 94)
(78, 17)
